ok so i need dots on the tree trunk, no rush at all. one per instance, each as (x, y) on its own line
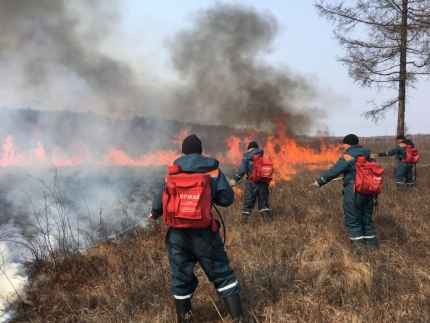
(402, 72)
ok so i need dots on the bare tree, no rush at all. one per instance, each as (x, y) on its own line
(387, 45)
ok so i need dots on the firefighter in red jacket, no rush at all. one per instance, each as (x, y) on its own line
(187, 246)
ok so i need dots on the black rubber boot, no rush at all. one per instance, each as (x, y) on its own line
(399, 186)
(183, 310)
(244, 218)
(267, 216)
(371, 243)
(235, 308)
(358, 246)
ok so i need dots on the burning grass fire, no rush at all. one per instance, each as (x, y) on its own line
(287, 155)
(297, 268)
(116, 183)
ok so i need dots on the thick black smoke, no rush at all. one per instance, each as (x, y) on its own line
(227, 82)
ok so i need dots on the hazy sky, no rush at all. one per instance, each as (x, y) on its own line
(149, 57)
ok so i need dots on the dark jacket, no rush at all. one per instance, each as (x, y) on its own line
(399, 150)
(346, 165)
(222, 193)
(246, 165)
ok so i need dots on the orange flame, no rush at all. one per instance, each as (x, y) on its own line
(117, 157)
(81, 155)
(9, 155)
(287, 156)
(177, 139)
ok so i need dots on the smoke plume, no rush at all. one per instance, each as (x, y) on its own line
(52, 58)
(227, 82)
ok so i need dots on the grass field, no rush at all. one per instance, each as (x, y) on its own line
(298, 268)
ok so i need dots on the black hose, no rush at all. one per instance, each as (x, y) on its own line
(222, 221)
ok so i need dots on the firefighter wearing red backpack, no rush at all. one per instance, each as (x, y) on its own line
(405, 161)
(184, 202)
(256, 185)
(357, 207)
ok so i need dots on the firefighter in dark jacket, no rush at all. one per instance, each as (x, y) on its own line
(403, 171)
(357, 207)
(186, 247)
(253, 191)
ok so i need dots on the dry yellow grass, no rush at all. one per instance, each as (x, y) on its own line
(299, 268)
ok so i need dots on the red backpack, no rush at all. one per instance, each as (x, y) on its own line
(187, 200)
(411, 155)
(262, 169)
(368, 178)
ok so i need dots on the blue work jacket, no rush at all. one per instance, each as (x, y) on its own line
(346, 165)
(246, 165)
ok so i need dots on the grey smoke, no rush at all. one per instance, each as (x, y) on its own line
(71, 210)
(51, 59)
(49, 50)
(226, 81)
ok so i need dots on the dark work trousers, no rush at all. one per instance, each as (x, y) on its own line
(358, 211)
(254, 191)
(404, 171)
(186, 247)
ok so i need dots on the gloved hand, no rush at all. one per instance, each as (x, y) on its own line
(315, 184)
(381, 155)
(233, 182)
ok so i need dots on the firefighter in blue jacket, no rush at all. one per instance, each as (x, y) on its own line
(186, 247)
(357, 207)
(253, 190)
(403, 171)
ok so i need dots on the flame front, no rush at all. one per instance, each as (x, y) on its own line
(287, 156)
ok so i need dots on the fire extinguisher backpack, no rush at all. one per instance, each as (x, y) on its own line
(412, 155)
(187, 200)
(368, 178)
(262, 169)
